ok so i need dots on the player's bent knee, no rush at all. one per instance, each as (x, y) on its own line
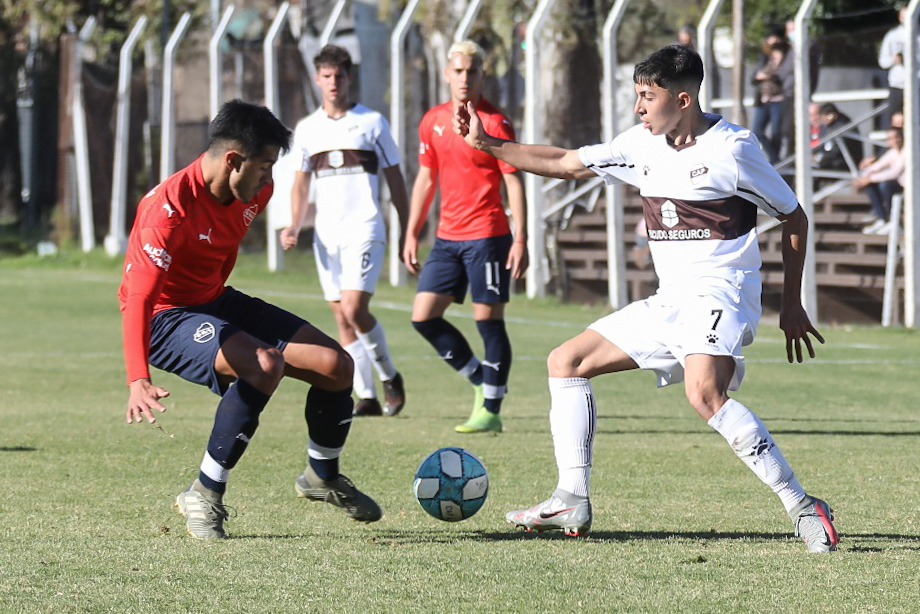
(562, 362)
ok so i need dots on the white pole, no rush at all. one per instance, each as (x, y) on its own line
(270, 58)
(397, 124)
(216, 60)
(912, 177)
(469, 16)
(332, 23)
(616, 257)
(891, 261)
(115, 241)
(81, 144)
(803, 176)
(168, 118)
(704, 40)
(533, 132)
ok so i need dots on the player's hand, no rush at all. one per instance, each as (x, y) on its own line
(467, 125)
(143, 398)
(795, 324)
(289, 237)
(518, 259)
(410, 254)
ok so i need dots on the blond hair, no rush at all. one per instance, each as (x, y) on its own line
(466, 47)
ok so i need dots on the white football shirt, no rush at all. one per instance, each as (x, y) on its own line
(699, 203)
(346, 157)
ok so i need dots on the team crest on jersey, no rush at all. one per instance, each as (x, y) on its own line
(249, 215)
(697, 173)
(669, 214)
(336, 159)
(204, 333)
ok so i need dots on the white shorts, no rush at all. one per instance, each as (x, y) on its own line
(659, 334)
(355, 266)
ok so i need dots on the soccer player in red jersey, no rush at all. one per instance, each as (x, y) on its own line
(474, 246)
(179, 316)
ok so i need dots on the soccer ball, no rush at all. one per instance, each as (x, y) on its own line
(451, 484)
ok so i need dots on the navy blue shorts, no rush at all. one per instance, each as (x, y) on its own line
(185, 340)
(479, 264)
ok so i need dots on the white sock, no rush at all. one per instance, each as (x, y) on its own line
(493, 392)
(375, 343)
(363, 382)
(573, 419)
(753, 444)
(213, 470)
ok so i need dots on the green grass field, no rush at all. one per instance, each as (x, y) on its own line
(680, 525)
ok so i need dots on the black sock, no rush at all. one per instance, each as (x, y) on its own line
(450, 344)
(328, 415)
(496, 363)
(235, 423)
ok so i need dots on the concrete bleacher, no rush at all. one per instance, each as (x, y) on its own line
(850, 265)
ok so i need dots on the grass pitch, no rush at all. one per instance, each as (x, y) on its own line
(680, 525)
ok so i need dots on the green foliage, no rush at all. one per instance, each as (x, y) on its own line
(680, 526)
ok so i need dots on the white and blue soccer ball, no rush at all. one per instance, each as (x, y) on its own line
(451, 484)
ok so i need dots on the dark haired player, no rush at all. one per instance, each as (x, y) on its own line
(178, 316)
(702, 180)
(343, 149)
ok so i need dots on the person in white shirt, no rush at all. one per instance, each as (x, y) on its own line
(891, 58)
(345, 147)
(702, 181)
(882, 178)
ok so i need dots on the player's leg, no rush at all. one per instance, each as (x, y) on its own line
(362, 264)
(442, 282)
(363, 382)
(204, 348)
(490, 289)
(573, 419)
(714, 336)
(313, 357)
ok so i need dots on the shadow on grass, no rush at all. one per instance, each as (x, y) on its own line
(18, 449)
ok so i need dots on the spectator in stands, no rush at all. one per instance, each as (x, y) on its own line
(816, 130)
(830, 156)
(775, 81)
(891, 58)
(882, 178)
(897, 119)
(686, 36)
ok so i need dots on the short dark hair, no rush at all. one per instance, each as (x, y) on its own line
(333, 55)
(828, 108)
(674, 67)
(250, 127)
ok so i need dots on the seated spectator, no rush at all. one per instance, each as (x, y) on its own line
(816, 130)
(882, 178)
(830, 156)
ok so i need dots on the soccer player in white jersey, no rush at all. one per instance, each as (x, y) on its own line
(345, 147)
(701, 180)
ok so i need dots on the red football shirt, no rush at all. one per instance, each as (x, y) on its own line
(180, 253)
(470, 180)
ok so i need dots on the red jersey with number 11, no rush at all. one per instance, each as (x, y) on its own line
(470, 180)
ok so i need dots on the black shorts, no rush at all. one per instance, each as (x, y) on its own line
(185, 340)
(479, 264)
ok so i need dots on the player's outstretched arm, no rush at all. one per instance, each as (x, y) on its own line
(793, 319)
(143, 398)
(545, 160)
